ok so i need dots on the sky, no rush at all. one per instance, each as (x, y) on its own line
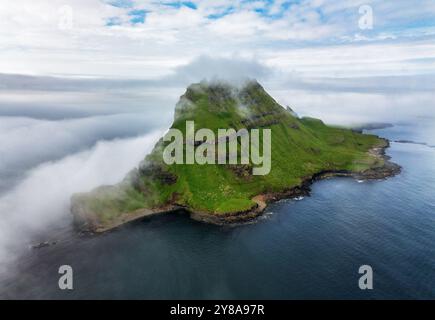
(90, 82)
(148, 39)
(64, 58)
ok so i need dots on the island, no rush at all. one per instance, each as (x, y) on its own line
(303, 150)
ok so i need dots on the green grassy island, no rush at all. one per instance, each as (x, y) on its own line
(302, 150)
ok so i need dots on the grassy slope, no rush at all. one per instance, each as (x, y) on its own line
(300, 148)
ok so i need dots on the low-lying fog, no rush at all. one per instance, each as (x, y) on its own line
(61, 136)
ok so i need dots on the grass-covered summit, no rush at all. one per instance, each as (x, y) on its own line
(301, 149)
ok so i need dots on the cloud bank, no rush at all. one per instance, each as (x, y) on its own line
(81, 80)
(42, 199)
(26, 142)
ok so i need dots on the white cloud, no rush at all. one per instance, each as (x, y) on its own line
(353, 108)
(32, 43)
(368, 59)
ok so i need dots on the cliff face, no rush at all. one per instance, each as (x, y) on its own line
(219, 193)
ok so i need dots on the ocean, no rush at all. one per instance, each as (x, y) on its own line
(308, 248)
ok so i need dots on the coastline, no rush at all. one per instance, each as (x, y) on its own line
(389, 169)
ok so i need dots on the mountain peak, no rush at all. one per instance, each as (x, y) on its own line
(301, 149)
(245, 99)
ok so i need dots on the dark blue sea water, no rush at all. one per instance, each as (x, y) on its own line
(298, 250)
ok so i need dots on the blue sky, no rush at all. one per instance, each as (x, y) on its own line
(404, 16)
(151, 38)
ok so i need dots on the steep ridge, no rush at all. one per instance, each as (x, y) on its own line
(302, 150)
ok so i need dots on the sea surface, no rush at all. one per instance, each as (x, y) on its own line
(300, 249)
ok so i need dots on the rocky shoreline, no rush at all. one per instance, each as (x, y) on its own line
(389, 169)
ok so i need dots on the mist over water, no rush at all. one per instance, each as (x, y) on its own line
(42, 198)
(294, 251)
(26, 142)
(88, 86)
(51, 147)
(298, 250)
